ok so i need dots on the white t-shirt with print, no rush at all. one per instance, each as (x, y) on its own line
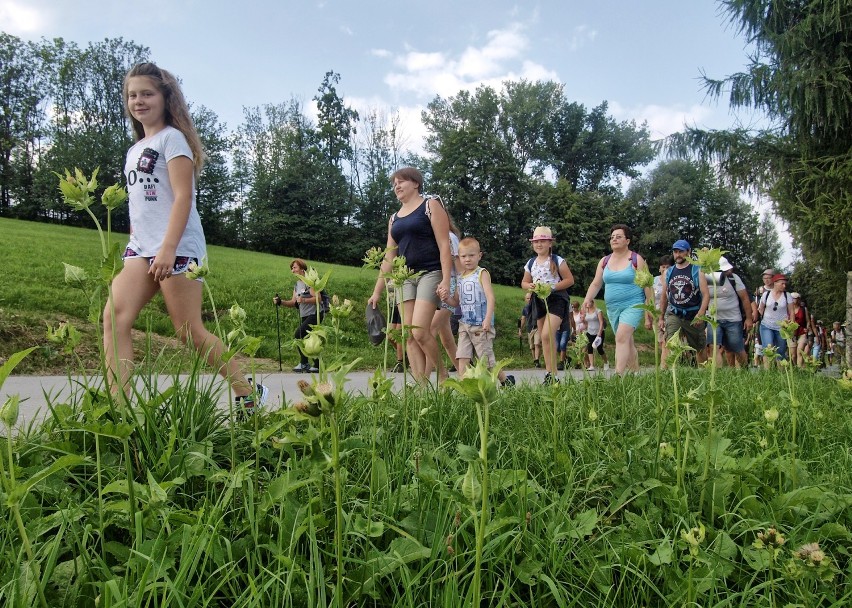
(151, 196)
(541, 272)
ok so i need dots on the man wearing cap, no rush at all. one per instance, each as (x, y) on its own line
(685, 300)
(733, 313)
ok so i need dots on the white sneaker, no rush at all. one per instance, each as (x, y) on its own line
(255, 400)
(590, 369)
(606, 367)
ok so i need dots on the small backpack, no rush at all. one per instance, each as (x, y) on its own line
(325, 302)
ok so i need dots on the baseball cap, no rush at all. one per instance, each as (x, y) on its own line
(795, 295)
(779, 277)
(724, 264)
(682, 245)
(769, 271)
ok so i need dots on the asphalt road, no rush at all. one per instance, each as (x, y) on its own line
(36, 392)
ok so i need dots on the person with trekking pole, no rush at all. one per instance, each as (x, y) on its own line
(277, 302)
(307, 302)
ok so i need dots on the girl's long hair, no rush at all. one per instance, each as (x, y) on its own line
(176, 109)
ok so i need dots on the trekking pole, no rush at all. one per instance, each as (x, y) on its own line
(278, 327)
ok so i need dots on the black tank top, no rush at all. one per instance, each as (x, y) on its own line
(416, 240)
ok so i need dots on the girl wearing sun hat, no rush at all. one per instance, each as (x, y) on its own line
(547, 267)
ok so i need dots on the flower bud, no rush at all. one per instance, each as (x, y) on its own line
(312, 345)
(74, 275)
(9, 411)
(238, 314)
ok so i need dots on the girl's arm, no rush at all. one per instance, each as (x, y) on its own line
(566, 279)
(180, 171)
(488, 290)
(527, 282)
(595, 285)
(600, 322)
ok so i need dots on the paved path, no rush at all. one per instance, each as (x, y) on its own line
(36, 391)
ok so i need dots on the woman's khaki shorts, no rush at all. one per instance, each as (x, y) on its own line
(421, 288)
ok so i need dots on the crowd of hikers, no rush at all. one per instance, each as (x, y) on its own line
(448, 288)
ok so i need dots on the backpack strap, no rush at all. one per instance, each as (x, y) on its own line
(552, 260)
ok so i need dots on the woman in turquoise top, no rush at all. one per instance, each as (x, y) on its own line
(617, 271)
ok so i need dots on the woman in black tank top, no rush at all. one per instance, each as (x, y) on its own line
(420, 232)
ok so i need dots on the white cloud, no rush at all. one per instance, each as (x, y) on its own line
(663, 120)
(17, 18)
(381, 53)
(581, 35)
(500, 58)
(347, 30)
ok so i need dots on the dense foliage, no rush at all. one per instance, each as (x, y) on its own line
(800, 77)
(503, 160)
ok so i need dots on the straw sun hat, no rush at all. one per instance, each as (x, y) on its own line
(542, 233)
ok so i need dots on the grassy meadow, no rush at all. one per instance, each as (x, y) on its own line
(686, 487)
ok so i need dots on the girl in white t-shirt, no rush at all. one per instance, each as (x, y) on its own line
(165, 232)
(546, 267)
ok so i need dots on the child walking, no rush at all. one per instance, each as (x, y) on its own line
(475, 296)
(165, 232)
(547, 267)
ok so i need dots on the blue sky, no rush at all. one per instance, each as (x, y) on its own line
(643, 57)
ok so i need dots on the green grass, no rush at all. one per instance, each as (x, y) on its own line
(692, 487)
(375, 503)
(33, 294)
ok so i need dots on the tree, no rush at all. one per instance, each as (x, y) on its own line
(23, 91)
(378, 152)
(493, 154)
(592, 151)
(476, 172)
(800, 77)
(581, 223)
(215, 188)
(767, 248)
(88, 127)
(682, 200)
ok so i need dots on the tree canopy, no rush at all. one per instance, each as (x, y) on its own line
(800, 77)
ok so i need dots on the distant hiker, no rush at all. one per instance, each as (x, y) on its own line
(617, 271)
(305, 300)
(775, 306)
(733, 313)
(547, 267)
(685, 299)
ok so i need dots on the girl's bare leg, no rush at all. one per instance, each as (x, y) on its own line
(131, 289)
